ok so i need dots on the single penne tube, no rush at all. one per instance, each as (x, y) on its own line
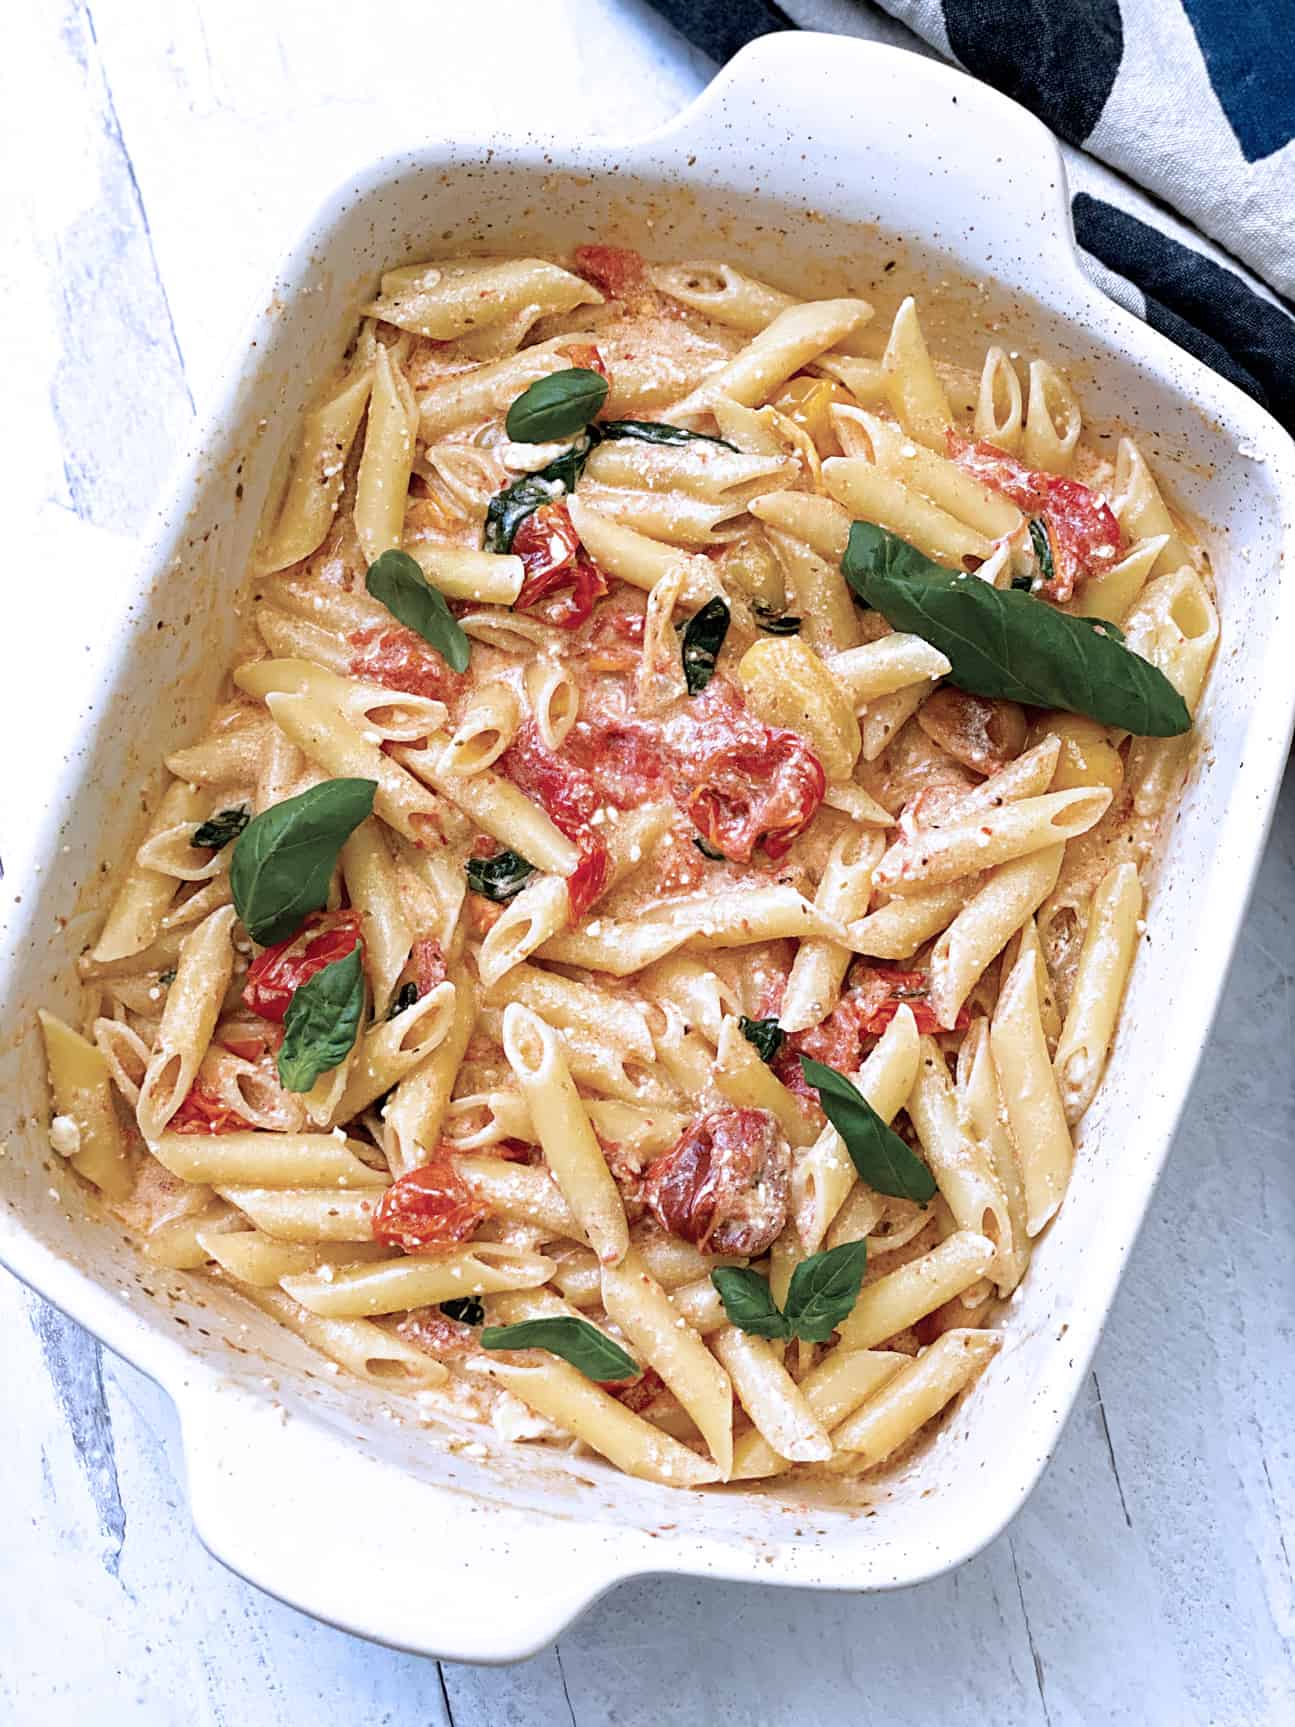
(387, 460)
(1029, 775)
(1000, 412)
(690, 523)
(1174, 623)
(749, 1083)
(1141, 510)
(395, 1285)
(918, 1391)
(863, 377)
(562, 1001)
(673, 1262)
(467, 398)
(833, 1390)
(897, 929)
(230, 756)
(181, 1244)
(528, 926)
(900, 1298)
(369, 1351)
(554, 698)
(796, 336)
(991, 917)
(880, 668)
(84, 1127)
(1110, 593)
(821, 523)
(930, 473)
(743, 916)
(522, 1193)
(700, 1305)
(723, 294)
(373, 887)
(495, 804)
(315, 475)
(308, 1214)
(824, 1175)
(965, 1176)
(125, 1052)
(870, 494)
(639, 1306)
(415, 1112)
(967, 844)
(292, 638)
(135, 917)
(193, 1001)
(691, 986)
(913, 388)
(1098, 989)
(566, 1136)
(446, 301)
(1026, 940)
(612, 945)
(260, 1260)
(1035, 1112)
(265, 1160)
(554, 1389)
(984, 1122)
(393, 1047)
(777, 1406)
(817, 594)
(463, 573)
(637, 558)
(599, 1066)
(883, 720)
(844, 889)
(485, 729)
(701, 470)
(344, 611)
(1053, 421)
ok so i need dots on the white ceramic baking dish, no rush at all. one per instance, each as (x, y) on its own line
(816, 161)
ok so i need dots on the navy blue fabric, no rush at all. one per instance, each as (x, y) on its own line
(1058, 58)
(1249, 51)
(720, 27)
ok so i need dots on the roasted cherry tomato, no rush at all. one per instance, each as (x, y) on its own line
(425, 967)
(203, 1112)
(569, 797)
(724, 1186)
(426, 1209)
(585, 355)
(756, 792)
(618, 272)
(562, 581)
(275, 975)
(880, 992)
(400, 660)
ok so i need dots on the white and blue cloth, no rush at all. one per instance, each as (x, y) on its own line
(1177, 120)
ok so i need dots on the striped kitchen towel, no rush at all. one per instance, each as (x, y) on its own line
(1177, 122)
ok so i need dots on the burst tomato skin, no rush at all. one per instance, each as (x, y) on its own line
(569, 797)
(203, 1112)
(586, 355)
(426, 1209)
(400, 660)
(555, 562)
(724, 1186)
(276, 974)
(425, 967)
(756, 792)
(618, 272)
(881, 991)
(589, 878)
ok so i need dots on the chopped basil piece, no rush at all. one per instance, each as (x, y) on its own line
(774, 623)
(655, 432)
(499, 877)
(404, 590)
(218, 830)
(508, 509)
(404, 997)
(707, 850)
(876, 1151)
(557, 406)
(765, 1036)
(1003, 643)
(703, 637)
(468, 1310)
(1042, 548)
(575, 1340)
(1023, 584)
(322, 1021)
(283, 860)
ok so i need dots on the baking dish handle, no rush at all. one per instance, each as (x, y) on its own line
(315, 1517)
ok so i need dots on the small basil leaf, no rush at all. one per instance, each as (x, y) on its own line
(508, 509)
(876, 1151)
(1002, 643)
(499, 877)
(654, 432)
(218, 830)
(557, 406)
(707, 850)
(405, 997)
(282, 863)
(1042, 548)
(748, 1301)
(575, 1340)
(321, 1023)
(1023, 584)
(703, 637)
(404, 590)
(766, 1036)
(824, 1289)
(467, 1310)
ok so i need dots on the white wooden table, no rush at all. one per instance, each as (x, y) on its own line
(157, 154)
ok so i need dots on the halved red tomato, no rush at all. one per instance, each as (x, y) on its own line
(276, 974)
(203, 1112)
(753, 792)
(426, 1209)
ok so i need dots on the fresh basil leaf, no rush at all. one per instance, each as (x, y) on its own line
(404, 997)
(467, 1310)
(218, 830)
(824, 1289)
(1002, 643)
(322, 1021)
(748, 1301)
(876, 1151)
(557, 406)
(282, 863)
(404, 590)
(508, 509)
(499, 877)
(654, 432)
(1104, 625)
(1023, 584)
(575, 1340)
(1042, 548)
(766, 1036)
(707, 850)
(703, 637)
